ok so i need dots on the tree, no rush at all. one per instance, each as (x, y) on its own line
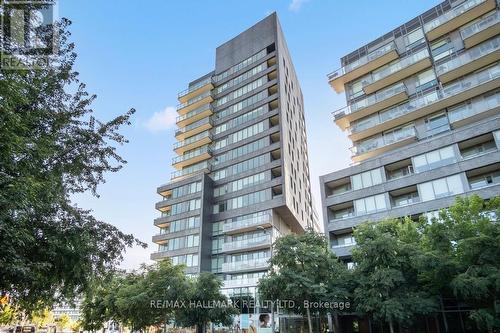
(462, 247)
(136, 299)
(8, 314)
(52, 147)
(304, 269)
(205, 304)
(387, 272)
(64, 321)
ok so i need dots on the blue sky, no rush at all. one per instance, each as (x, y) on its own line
(141, 54)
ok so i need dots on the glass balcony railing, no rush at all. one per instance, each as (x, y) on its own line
(194, 125)
(246, 243)
(451, 14)
(245, 264)
(195, 86)
(483, 24)
(192, 154)
(255, 221)
(418, 102)
(363, 60)
(235, 283)
(191, 139)
(397, 66)
(477, 106)
(371, 99)
(470, 55)
(385, 140)
(194, 112)
(191, 170)
(194, 100)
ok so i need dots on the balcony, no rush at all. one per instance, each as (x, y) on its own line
(193, 129)
(193, 142)
(469, 61)
(362, 66)
(480, 108)
(195, 115)
(260, 242)
(181, 174)
(381, 144)
(195, 103)
(195, 89)
(457, 17)
(420, 106)
(239, 283)
(246, 265)
(370, 104)
(193, 157)
(486, 27)
(247, 224)
(397, 71)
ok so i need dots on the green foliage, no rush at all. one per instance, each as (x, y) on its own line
(52, 147)
(205, 289)
(64, 321)
(41, 318)
(304, 269)
(462, 251)
(136, 299)
(387, 257)
(8, 315)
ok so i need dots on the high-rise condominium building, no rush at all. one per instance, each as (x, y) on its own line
(423, 117)
(242, 176)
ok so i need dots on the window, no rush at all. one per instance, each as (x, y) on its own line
(414, 38)
(441, 48)
(243, 104)
(240, 120)
(242, 150)
(370, 204)
(240, 184)
(343, 240)
(241, 91)
(437, 124)
(434, 159)
(425, 80)
(356, 89)
(367, 179)
(478, 149)
(242, 201)
(439, 188)
(484, 180)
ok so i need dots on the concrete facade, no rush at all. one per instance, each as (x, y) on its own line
(242, 176)
(423, 115)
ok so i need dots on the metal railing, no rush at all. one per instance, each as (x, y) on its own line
(371, 100)
(245, 264)
(470, 55)
(195, 86)
(420, 101)
(253, 221)
(194, 100)
(397, 66)
(246, 243)
(385, 140)
(192, 154)
(484, 23)
(363, 60)
(451, 14)
(192, 139)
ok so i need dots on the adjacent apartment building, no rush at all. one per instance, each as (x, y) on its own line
(423, 116)
(242, 173)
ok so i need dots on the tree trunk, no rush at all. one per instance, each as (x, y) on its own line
(200, 328)
(336, 323)
(391, 326)
(309, 320)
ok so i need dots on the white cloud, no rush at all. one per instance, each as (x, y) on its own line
(161, 121)
(296, 4)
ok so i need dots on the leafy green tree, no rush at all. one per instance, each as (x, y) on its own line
(387, 272)
(205, 304)
(462, 251)
(52, 147)
(136, 299)
(304, 269)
